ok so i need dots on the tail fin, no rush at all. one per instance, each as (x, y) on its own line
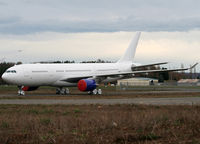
(130, 52)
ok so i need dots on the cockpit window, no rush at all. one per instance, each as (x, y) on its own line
(11, 71)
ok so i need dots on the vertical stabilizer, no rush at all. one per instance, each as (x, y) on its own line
(130, 52)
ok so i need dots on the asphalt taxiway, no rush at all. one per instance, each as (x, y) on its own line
(167, 96)
(145, 101)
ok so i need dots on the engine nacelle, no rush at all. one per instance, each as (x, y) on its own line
(86, 85)
(27, 88)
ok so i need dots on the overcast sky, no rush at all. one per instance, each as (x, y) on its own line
(90, 29)
(30, 16)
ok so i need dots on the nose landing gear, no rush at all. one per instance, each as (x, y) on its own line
(21, 92)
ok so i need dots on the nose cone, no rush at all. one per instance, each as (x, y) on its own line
(9, 78)
(4, 77)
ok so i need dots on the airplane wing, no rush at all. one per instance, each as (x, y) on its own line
(164, 70)
(148, 65)
(99, 76)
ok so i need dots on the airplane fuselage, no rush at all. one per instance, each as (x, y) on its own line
(58, 74)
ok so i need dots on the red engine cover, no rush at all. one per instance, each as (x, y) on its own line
(82, 85)
(27, 88)
(86, 85)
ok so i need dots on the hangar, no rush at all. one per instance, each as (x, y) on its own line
(139, 81)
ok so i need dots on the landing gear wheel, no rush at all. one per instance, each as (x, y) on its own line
(21, 92)
(67, 91)
(99, 91)
(58, 91)
(62, 91)
(90, 92)
(95, 92)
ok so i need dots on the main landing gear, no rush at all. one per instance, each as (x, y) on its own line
(95, 92)
(62, 91)
(21, 92)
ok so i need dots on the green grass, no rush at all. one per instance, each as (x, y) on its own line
(8, 87)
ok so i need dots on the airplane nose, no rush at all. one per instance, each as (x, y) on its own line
(8, 78)
(4, 77)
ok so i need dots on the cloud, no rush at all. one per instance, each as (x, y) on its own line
(32, 16)
(2, 3)
(179, 47)
(9, 21)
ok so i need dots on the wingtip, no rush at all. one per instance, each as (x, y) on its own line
(194, 65)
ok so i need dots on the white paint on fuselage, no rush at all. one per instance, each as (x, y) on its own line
(53, 74)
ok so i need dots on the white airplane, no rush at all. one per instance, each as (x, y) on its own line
(86, 77)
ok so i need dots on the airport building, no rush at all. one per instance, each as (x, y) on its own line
(189, 82)
(140, 81)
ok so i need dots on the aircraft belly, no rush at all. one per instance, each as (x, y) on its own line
(63, 84)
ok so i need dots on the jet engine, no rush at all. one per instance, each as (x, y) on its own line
(86, 85)
(27, 88)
